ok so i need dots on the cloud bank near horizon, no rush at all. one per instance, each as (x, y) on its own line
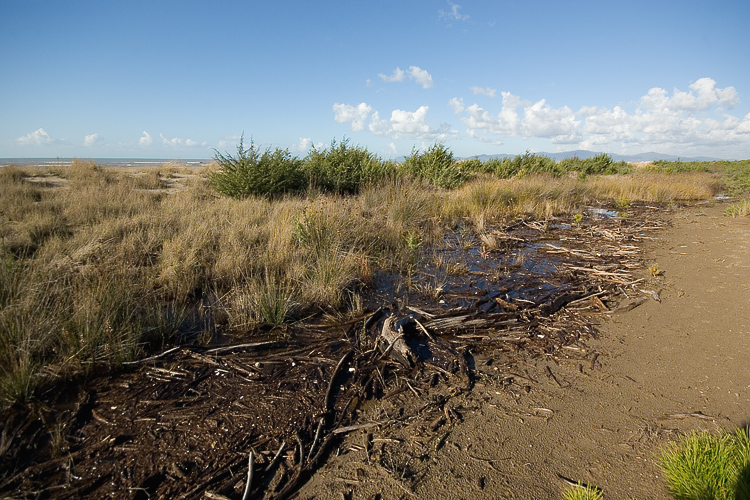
(680, 121)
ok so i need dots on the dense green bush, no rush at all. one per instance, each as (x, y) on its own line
(437, 166)
(251, 172)
(737, 176)
(679, 166)
(600, 164)
(343, 168)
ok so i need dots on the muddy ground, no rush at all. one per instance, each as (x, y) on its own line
(539, 353)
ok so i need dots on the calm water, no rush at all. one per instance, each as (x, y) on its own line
(115, 162)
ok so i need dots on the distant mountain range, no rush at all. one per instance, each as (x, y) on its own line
(582, 153)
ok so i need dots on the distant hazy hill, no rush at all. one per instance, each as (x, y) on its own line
(582, 153)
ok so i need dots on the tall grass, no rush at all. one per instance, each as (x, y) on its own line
(107, 266)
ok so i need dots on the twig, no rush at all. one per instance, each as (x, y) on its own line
(246, 495)
(350, 428)
(552, 375)
(329, 393)
(315, 440)
(254, 345)
(146, 360)
(423, 329)
(276, 457)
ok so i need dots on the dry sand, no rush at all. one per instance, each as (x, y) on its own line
(665, 367)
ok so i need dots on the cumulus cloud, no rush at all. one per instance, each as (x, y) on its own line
(484, 91)
(419, 75)
(36, 138)
(305, 143)
(677, 122)
(91, 139)
(145, 139)
(453, 13)
(397, 76)
(195, 144)
(357, 115)
(173, 142)
(177, 142)
(456, 104)
(401, 124)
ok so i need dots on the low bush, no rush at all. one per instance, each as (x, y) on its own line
(600, 164)
(678, 166)
(251, 172)
(737, 176)
(343, 169)
(437, 166)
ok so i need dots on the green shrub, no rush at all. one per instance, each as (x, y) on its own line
(344, 169)
(472, 165)
(503, 168)
(703, 466)
(737, 176)
(437, 166)
(678, 166)
(252, 173)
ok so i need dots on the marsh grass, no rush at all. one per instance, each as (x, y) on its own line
(107, 266)
(704, 466)
(581, 492)
(738, 209)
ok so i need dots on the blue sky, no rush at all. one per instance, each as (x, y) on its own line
(178, 79)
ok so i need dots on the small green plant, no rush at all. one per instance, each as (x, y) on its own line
(251, 172)
(654, 270)
(703, 466)
(582, 492)
(577, 219)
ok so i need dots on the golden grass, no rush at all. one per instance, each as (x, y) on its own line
(106, 264)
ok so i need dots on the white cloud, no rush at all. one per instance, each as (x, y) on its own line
(415, 73)
(145, 139)
(91, 139)
(410, 125)
(397, 76)
(230, 141)
(456, 104)
(36, 138)
(357, 115)
(173, 142)
(304, 145)
(177, 142)
(559, 125)
(484, 91)
(453, 13)
(695, 121)
(702, 94)
(421, 76)
(401, 124)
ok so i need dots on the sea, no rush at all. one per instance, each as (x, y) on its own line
(113, 162)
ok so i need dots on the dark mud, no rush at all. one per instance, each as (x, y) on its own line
(497, 305)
